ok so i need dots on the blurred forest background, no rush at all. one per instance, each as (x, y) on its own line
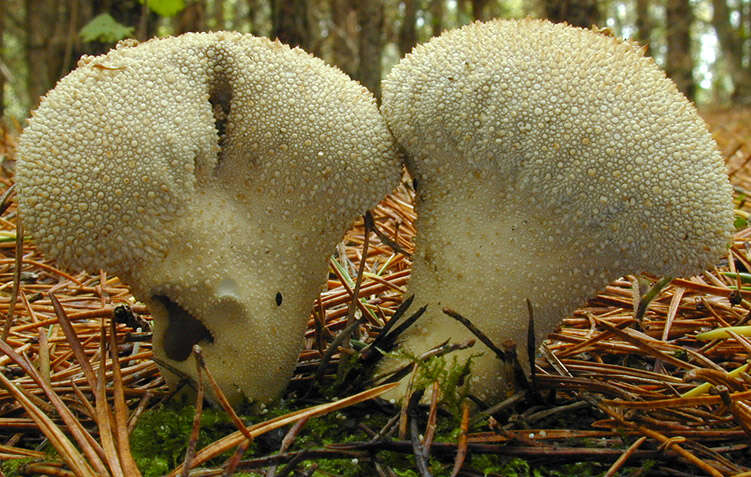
(704, 45)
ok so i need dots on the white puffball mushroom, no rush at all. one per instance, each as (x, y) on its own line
(549, 160)
(214, 172)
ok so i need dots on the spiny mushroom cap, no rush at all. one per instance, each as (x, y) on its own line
(205, 169)
(549, 160)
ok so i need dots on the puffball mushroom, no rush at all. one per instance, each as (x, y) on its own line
(549, 160)
(215, 173)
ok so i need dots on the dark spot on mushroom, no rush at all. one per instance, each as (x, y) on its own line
(278, 298)
(183, 330)
(220, 98)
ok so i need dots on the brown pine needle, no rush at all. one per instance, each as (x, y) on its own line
(219, 394)
(461, 452)
(18, 264)
(623, 458)
(228, 442)
(431, 425)
(74, 426)
(120, 409)
(73, 341)
(629, 366)
(103, 414)
(190, 451)
(56, 436)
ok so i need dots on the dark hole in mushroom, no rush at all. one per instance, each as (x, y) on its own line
(183, 330)
(278, 298)
(220, 98)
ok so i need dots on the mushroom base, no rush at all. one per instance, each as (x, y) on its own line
(485, 265)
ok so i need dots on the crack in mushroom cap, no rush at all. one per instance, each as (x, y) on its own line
(549, 160)
(211, 171)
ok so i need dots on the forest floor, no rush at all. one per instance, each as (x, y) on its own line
(617, 392)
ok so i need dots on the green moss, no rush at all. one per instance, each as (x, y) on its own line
(448, 371)
(161, 435)
(14, 467)
(406, 473)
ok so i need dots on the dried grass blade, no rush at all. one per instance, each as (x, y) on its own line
(705, 387)
(202, 368)
(358, 279)
(92, 414)
(670, 443)
(76, 429)
(73, 341)
(349, 285)
(133, 420)
(48, 469)
(44, 356)
(54, 270)
(738, 409)
(431, 425)
(675, 303)
(708, 289)
(16, 279)
(644, 346)
(674, 402)
(195, 429)
(228, 442)
(67, 450)
(625, 456)
(461, 447)
(103, 413)
(21, 452)
(121, 410)
(229, 468)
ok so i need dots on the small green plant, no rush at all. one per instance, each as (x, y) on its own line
(450, 373)
(105, 29)
(15, 467)
(159, 440)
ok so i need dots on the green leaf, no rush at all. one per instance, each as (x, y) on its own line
(104, 28)
(165, 8)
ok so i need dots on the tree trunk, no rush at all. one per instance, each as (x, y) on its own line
(219, 15)
(344, 36)
(253, 15)
(191, 18)
(643, 23)
(462, 15)
(732, 51)
(45, 45)
(370, 18)
(317, 13)
(479, 10)
(436, 14)
(408, 32)
(142, 31)
(289, 20)
(581, 13)
(679, 64)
